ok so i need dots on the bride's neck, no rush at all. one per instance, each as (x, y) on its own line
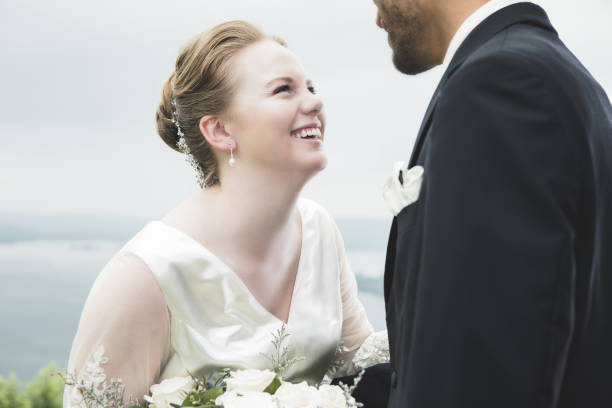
(255, 210)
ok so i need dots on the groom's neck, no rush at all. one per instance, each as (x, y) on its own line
(451, 15)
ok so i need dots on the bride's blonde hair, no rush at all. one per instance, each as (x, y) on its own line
(201, 85)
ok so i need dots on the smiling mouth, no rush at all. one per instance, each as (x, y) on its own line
(307, 133)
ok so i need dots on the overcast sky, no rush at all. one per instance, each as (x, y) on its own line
(81, 82)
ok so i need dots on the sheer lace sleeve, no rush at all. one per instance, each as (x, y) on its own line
(359, 347)
(123, 338)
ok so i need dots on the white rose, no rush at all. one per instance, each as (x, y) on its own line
(297, 396)
(248, 399)
(249, 380)
(171, 390)
(331, 396)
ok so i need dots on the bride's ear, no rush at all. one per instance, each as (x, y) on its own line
(216, 134)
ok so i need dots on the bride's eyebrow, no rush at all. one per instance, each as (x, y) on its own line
(280, 79)
(288, 79)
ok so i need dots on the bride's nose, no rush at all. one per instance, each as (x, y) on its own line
(312, 104)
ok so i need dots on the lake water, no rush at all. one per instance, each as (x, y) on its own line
(44, 284)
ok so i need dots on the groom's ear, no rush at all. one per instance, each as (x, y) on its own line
(215, 133)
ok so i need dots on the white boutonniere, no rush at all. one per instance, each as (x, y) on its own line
(399, 195)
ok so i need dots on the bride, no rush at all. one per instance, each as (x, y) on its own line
(207, 286)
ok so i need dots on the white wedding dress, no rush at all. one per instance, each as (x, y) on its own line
(166, 306)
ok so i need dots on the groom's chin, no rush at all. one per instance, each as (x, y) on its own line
(411, 64)
(409, 58)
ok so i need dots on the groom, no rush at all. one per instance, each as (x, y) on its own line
(498, 280)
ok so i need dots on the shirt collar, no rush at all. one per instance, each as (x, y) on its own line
(471, 23)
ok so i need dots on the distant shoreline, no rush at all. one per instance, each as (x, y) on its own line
(358, 233)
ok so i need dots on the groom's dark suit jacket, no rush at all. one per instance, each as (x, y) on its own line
(498, 281)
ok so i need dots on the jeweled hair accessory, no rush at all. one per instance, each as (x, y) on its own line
(182, 146)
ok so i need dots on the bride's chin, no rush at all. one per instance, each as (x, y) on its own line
(318, 164)
(306, 171)
(323, 164)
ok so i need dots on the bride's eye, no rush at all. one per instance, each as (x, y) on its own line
(283, 88)
(312, 90)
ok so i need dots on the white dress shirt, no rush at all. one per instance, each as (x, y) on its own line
(471, 23)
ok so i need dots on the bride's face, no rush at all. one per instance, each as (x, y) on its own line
(274, 107)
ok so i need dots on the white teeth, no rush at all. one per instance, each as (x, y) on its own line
(304, 133)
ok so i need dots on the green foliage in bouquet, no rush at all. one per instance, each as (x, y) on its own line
(205, 391)
(281, 359)
(45, 391)
(274, 385)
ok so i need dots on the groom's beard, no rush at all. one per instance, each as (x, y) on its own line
(408, 41)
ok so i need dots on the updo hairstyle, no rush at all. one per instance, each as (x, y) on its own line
(201, 85)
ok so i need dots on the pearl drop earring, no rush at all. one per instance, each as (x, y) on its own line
(232, 161)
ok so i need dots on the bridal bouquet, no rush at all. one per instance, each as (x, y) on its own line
(248, 388)
(252, 388)
(225, 388)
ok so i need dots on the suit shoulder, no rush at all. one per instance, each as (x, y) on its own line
(526, 43)
(521, 50)
(529, 51)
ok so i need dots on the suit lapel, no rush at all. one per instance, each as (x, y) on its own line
(523, 13)
(424, 126)
(390, 260)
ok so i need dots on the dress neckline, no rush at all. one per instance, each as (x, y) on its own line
(235, 276)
